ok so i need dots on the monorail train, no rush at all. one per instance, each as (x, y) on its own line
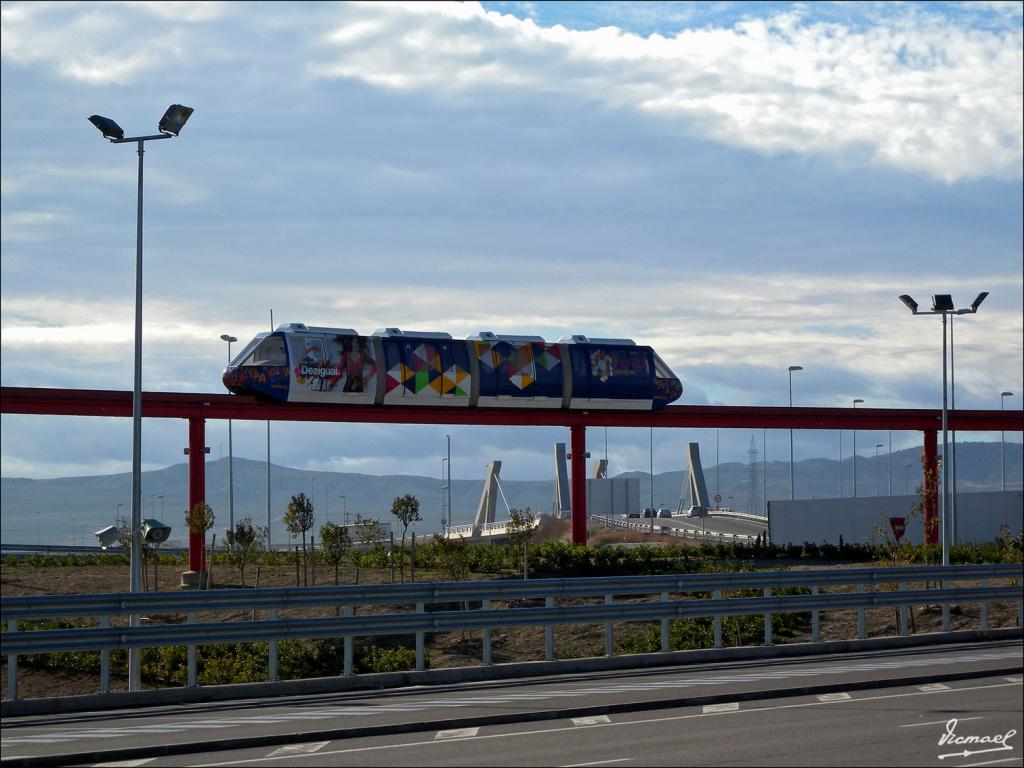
(299, 363)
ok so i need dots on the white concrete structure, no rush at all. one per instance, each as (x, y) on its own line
(867, 520)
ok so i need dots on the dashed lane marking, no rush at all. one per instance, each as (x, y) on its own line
(834, 697)
(729, 706)
(457, 733)
(299, 749)
(591, 720)
(933, 687)
(125, 763)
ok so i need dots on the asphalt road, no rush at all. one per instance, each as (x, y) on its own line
(666, 706)
(894, 726)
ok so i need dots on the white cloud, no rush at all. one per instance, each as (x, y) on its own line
(916, 93)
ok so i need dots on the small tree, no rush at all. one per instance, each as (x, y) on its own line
(519, 531)
(199, 519)
(298, 519)
(407, 510)
(335, 541)
(243, 543)
(452, 556)
(370, 534)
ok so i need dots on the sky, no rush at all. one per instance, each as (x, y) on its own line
(743, 186)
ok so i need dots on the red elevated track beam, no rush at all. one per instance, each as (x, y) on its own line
(188, 405)
(197, 407)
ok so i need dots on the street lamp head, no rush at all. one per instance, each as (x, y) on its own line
(228, 338)
(942, 302)
(107, 127)
(857, 400)
(174, 119)
(1006, 394)
(879, 445)
(911, 304)
(796, 367)
(977, 302)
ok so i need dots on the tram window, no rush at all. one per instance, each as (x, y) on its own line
(661, 370)
(270, 352)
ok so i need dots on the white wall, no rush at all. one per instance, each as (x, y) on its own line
(822, 521)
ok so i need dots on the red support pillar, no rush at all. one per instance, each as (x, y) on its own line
(930, 483)
(578, 467)
(196, 487)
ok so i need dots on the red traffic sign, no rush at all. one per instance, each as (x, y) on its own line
(717, 498)
(899, 526)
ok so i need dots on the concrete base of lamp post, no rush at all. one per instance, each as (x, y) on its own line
(196, 580)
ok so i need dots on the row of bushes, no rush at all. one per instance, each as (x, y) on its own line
(559, 558)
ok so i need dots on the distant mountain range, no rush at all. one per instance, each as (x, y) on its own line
(66, 510)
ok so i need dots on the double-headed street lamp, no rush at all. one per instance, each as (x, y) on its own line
(942, 304)
(170, 125)
(855, 401)
(231, 465)
(792, 489)
(1002, 439)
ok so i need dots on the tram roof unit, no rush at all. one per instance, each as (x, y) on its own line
(491, 336)
(397, 333)
(303, 328)
(579, 338)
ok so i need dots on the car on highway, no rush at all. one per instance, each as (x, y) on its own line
(664, 512)
(650, 512)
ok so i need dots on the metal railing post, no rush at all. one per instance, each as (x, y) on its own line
(860, 614)
(815, 618)
(549, 632)
(904, 628)
(768, 620)
(945, 609)
(609, 636)
(984, 609)
(347, 669)
(193, 664)
(486, 606)
(664, 627)
(104, 660)
(272, 661)
(717, 595)
(12, 665)
(420, 663)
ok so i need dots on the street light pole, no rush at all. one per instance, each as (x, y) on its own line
(906, 478)
(170, 125)
(1002, 439)
(855, 401)
(231, 463)
(792, 487)
(878, 482)
(942, 304)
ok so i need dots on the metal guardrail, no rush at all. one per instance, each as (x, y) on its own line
(16, 641)
(679, 533)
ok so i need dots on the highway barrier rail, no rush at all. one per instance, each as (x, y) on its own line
(643, 525)
(120, 624)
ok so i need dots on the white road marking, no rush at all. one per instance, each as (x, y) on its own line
(991, 762)
(834, 697)
(622, 723)
(1015, 679)
(290, 750)
(418, 705)
(933, 687)
(457, 733)
(590, 721)
(939, 722)
(599, 762)
(729, 706)
(125, 763)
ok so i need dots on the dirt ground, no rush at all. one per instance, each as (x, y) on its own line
(444, 650)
